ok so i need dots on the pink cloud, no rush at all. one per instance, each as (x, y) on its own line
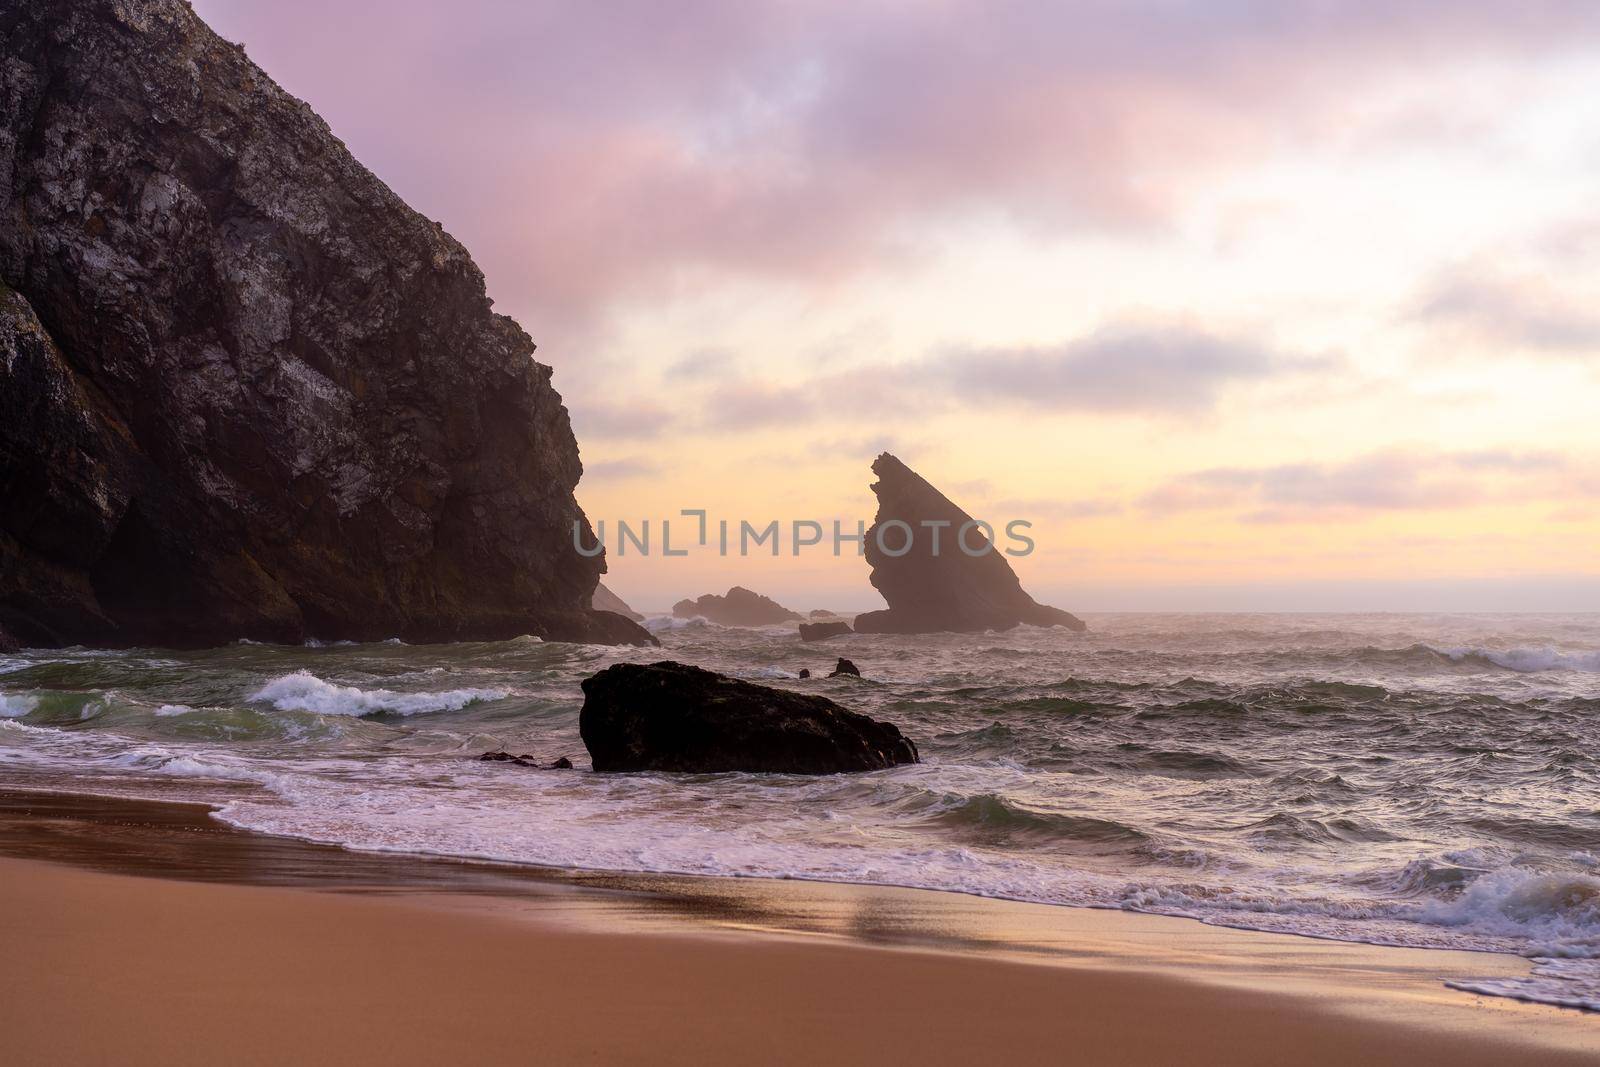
(587, 152)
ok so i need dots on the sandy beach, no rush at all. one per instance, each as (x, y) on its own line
(151, 967)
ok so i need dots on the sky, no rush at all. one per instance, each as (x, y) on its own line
(1284, 305)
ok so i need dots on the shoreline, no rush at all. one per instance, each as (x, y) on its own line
(836, 949)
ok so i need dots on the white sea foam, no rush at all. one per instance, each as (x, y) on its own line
(1528, 660)
(1558, 914)
(1564, 982)
(661, 623)
(14, 707)
(304, 691)
(167, 710)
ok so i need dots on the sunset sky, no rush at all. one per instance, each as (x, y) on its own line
(1246, 306)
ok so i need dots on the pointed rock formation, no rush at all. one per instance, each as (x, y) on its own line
(673, 717)
(245, 391)
(740, 607)
(945, 589)
(605, 600)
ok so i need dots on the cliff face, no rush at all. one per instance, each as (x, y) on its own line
(245, 391)
(945, 590)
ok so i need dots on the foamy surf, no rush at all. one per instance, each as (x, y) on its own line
(304, 691)
(1382, 779)
(1527, 660)
(14, 706)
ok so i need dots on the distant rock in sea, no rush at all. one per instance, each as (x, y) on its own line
(673, 717)
(821, 631)
(822, 613)
(245, 391)
(948, 590)
(739, 607)
(605, 600)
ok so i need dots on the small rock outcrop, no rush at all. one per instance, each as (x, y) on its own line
(933, 590)
(605, 600)
(245, 391)
(673, 717)
(525, 760)
(821, 613)
(805, 672)
(821, 631)
(739, 607)
(844, 666)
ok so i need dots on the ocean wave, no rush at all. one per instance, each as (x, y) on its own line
(304, 691)
(15, 707)
(1525, 660)
(662, 623)
(168, 710)
(996, 819)
(1558, 912)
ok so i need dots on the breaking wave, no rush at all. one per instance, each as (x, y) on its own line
(304, 691)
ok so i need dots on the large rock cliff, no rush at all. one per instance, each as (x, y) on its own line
(934, 585)
(245, 391)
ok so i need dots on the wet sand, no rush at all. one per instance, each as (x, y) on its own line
(148, 933)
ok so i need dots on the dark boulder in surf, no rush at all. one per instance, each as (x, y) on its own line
(245, 390)
(739, 607)
(673, 717)
(950, 576)
(821, 631)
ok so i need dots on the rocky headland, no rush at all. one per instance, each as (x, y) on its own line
(245, 391)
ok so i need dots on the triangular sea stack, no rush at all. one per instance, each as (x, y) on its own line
(947, 590)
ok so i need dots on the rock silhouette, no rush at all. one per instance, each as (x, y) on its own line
(844, 666)
(947, 589)
(245, 391)
(739, 607)
(673, 717)
(605, 600)
(821, 631)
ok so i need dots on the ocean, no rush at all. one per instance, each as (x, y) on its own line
(1419, 780)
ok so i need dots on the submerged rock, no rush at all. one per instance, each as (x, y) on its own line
(245, 391)
(821, 631)
(844, 666)
(605, 600)
(945, 589)
(740, 607)
(805, 672)
(524, 760)
(673, 717)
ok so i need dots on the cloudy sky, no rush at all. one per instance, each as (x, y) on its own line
(1245, 305)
